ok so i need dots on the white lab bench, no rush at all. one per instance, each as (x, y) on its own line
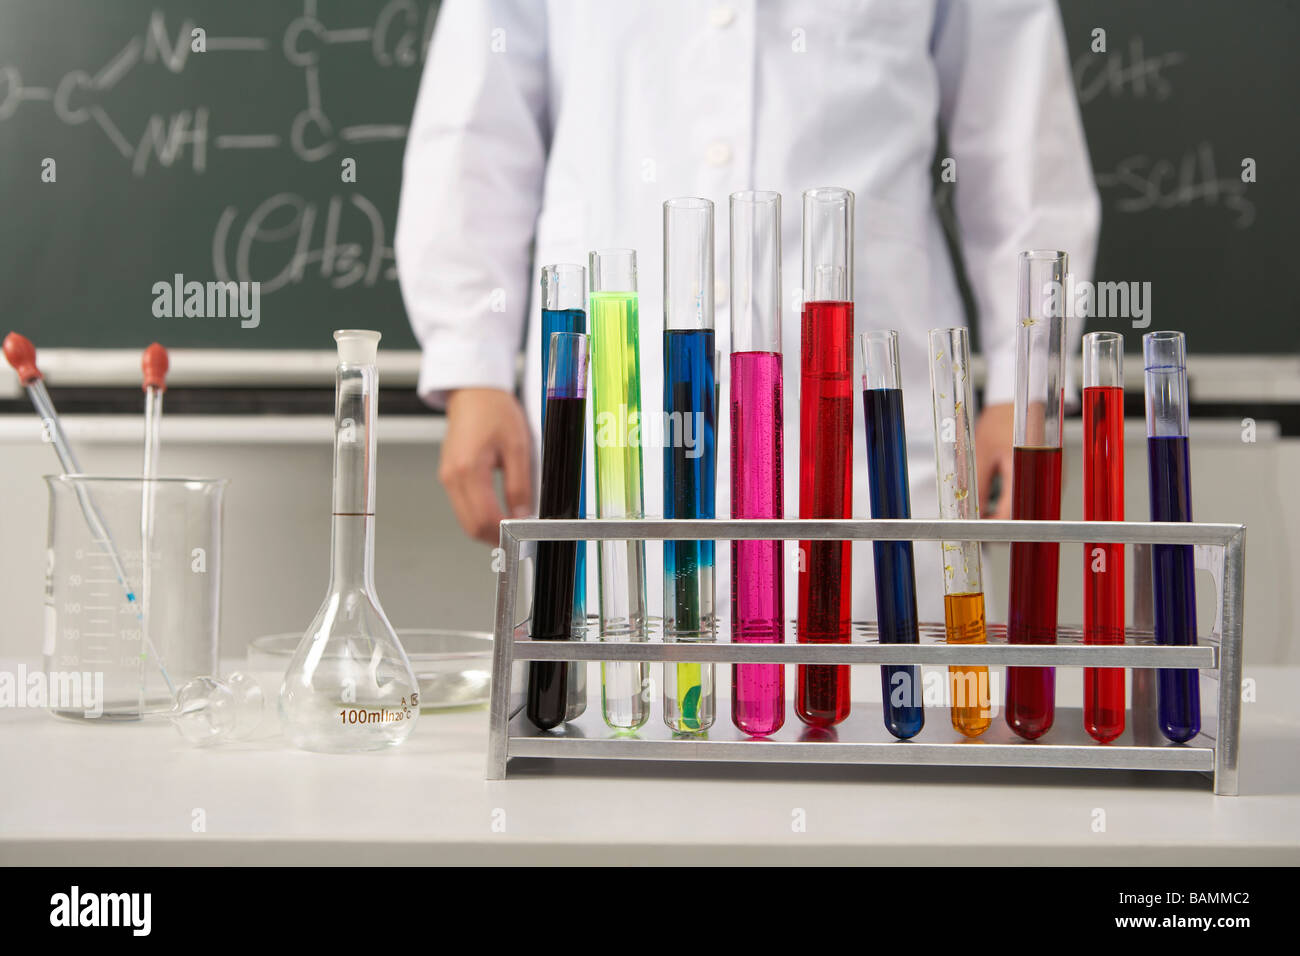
(139, 794)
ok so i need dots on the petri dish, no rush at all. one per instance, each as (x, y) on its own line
(453, 668)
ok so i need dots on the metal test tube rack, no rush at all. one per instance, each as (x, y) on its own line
(862, 739)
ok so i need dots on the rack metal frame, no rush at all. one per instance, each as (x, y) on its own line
(1219, 657)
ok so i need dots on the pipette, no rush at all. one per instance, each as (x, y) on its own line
(154, 365)
(21, 354)
(205, 709)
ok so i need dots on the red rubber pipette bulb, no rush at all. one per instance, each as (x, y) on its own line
(154, 364)
(21, 354)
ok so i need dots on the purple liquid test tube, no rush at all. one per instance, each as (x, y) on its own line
(1173, 566)
(553, 580)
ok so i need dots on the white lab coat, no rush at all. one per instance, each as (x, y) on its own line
(568, 123)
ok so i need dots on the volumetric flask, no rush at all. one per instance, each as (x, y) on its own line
(98, 660)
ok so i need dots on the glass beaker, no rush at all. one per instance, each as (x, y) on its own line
(97, 659)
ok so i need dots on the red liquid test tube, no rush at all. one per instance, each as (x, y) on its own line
(825, 446)
(1103, 500)
(1036, 484)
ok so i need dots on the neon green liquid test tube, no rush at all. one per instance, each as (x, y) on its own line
(616, 407)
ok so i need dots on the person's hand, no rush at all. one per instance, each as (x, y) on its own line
(486, 432)
(994, 437)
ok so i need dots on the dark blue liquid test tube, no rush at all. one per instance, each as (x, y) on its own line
(1173, 569)
(882, 403)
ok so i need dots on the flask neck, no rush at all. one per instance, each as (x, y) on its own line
(352, 553)
(352, 537)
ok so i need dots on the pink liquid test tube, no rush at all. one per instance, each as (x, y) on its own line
(757, 488)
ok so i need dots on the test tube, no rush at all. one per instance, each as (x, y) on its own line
(564, 309)
(616, 400)
(963, 585)
(757, 455)
(555, 566)
(825, 446)
(1173, 570)
(1103, 500)
(882, 406)
(689, 455)
(1036, 484)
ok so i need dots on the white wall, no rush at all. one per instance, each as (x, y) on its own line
(428, 575)
(277, 521)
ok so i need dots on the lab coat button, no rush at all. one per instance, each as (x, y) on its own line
(719, 292)
(722, 17)
(718, 154)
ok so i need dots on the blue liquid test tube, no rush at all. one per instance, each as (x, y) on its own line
(689, 455)
(882, 401)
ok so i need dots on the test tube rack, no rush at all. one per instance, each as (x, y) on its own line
(862, 739)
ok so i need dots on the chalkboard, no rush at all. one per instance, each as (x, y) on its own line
(216, 155)
(227, 163)
(1184, 93)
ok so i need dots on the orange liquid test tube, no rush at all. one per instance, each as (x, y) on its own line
(954, 450)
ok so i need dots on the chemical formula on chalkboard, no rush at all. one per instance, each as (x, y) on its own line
(293, 234)
(398, 35)
(250, 143)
